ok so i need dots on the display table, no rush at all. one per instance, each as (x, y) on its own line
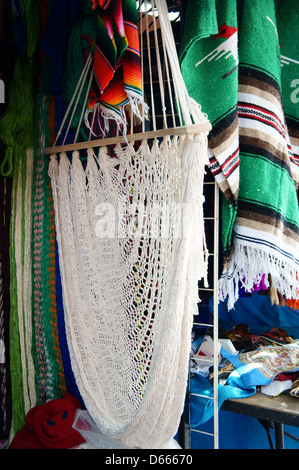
(283, 409)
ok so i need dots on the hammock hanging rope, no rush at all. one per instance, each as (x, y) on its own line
(130, 233)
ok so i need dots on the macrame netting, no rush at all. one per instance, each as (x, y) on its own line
(131, 242)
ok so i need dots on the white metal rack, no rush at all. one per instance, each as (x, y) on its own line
(211, 219)
(211, 191)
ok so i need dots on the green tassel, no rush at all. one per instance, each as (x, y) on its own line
(17, 124)
(6, 167)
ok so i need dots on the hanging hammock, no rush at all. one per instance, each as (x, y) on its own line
(129, 222)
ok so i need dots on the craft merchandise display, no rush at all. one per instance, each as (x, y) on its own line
(127, 290)
(248, 60)
(105, 138)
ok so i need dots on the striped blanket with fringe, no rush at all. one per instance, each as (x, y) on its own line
(116, 61)
(265, 231)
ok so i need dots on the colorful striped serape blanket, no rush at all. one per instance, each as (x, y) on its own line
(261, 238)
(116, 61)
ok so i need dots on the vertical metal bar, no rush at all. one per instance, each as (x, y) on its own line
(279, 438)
(187, 412)
(215, 311)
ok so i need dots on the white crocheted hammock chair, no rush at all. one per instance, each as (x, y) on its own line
(132, 249)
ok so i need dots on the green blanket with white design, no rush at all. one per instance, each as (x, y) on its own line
(246, 77)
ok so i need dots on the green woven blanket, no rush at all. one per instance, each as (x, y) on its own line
(209, 64)
(260, 214)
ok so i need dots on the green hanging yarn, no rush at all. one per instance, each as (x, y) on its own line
(49, 373)
(17, 133)
(21, 362)
(17, 124)
(30, 10)
(18, 405)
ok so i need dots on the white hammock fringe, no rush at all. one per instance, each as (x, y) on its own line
(129, 301)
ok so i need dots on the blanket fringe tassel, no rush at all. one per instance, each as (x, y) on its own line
(242, 273)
